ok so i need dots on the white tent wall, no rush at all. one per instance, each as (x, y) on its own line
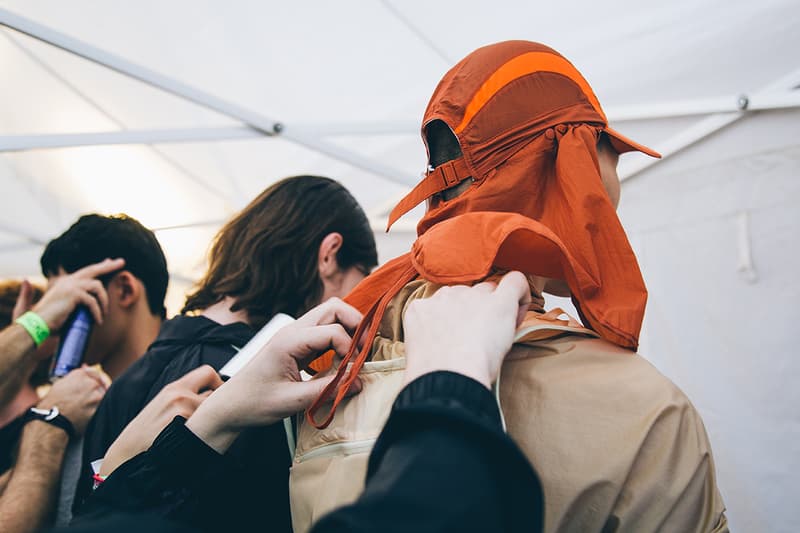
(714, 225)
(715, 230)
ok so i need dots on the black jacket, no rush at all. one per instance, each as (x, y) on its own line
(257, 480)
(442, 463)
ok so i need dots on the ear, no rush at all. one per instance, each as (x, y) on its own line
(326, 260)
(127, 289)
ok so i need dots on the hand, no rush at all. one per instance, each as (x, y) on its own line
(77, 396)
(463, 329)
(270, 388)
(181, 397)
(71, 290)
(24, 300)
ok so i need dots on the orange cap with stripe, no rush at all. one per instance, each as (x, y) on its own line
(528, 126)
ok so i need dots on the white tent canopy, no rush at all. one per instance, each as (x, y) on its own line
(229, 99)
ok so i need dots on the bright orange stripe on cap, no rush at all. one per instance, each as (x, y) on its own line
(523, 65)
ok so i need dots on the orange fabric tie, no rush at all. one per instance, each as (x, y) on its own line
(340, 383)
(443, 177)
(528, 126)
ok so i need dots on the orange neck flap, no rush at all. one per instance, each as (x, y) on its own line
(528, 128)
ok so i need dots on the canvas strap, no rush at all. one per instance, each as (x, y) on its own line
(442, 177)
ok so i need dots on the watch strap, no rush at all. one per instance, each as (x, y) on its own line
(53, 417)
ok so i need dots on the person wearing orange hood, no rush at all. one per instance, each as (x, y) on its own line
(522, 176)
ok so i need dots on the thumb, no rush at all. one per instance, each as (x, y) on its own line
(514, 287)
(24, 300)
(200, 379)
(303, 393)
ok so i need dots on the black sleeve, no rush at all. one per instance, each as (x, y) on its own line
(169, 479)
(443, 463)
(129, 394)
(104, 427)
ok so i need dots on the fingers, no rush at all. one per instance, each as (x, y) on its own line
(24, 300)
(95, 287)
(303, 393)
(98, 269)
(204, 377)
(486, 286)
(305, 344)
(95, 375)
(514, 286)
(320, 338)
(93, 305)
(97, 395)
(332, 311)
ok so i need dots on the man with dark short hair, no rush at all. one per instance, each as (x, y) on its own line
(135, 304)
(135, 293)
(115, 267)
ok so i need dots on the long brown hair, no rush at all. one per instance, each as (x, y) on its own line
(266, 257)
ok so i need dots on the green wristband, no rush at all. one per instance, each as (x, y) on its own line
(35, 326)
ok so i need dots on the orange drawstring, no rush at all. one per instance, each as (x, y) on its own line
(373, 320)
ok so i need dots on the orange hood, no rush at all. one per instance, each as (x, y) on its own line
(528, 126)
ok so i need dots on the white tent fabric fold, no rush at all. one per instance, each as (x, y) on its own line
(711, 84)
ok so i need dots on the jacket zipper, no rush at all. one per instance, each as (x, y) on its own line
(337, 448)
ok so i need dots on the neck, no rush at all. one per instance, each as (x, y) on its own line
(221, 313)
(142, 332)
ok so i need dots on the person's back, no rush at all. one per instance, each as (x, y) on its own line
(524, 178)
(615, 442)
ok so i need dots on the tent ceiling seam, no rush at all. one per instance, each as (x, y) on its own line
(417, 32)
(254, 119)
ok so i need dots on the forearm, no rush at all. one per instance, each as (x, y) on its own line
(178, 463)
(211, 428)
(16, 361)
(30, 495)
(4, 481)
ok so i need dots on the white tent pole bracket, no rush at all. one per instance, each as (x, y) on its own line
(686, 138)
(780, 94)
(760, 101)
(630, 113)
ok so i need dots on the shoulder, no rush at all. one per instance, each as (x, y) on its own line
(583, 393)
(604, 426)
(593, 370)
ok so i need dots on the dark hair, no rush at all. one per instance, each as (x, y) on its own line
(266, 257)
(94, 238)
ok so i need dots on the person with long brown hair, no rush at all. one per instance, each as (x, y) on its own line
(302, 241)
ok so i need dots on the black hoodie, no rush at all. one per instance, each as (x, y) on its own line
(256, 484)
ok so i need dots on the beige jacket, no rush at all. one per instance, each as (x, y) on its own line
(618, 447)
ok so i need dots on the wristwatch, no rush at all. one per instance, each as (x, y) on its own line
(51, 416)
